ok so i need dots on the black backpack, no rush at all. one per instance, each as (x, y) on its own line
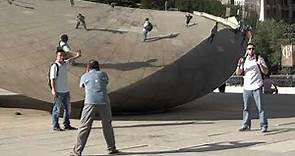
(149, 27)
(49, 81)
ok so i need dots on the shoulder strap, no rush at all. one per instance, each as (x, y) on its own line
(57, 69)
(261, 73)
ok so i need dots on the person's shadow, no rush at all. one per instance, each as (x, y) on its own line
(193, 24)
(21, 4)
(156, 38)
(108, 30)
(198, 148)
(123, 66)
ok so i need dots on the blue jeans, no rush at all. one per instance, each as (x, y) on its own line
(62, 99)
(248, 97)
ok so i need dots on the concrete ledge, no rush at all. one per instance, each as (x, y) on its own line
(229, 21)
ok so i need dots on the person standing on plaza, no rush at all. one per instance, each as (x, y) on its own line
(60, 90)
(252, 67)
(166, 5)
(94, 81)
(81, 19)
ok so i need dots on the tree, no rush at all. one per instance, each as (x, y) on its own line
(213, 7)
(268, 38)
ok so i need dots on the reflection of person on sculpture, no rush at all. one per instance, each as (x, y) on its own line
(63, 44)
(147, 27)
(81, 19)
(251, 67)
(188, 19)
(96, 100)
(267, 85)
(60, 90)
(213, 32)
(9, 1)
(72, 3)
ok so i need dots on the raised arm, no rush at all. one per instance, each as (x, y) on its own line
(239, 69)
(77, 55)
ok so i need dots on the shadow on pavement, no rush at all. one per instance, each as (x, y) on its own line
(156, 38)
(214, 106)
(159, 124)
(108, 30)
(199, 148)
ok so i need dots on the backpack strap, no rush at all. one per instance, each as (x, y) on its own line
(57, 69)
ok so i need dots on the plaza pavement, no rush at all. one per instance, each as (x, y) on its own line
(205, 127)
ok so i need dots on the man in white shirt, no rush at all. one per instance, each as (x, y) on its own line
(60, 90)
(252, 68)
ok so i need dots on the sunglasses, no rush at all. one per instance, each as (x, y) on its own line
(251, 48)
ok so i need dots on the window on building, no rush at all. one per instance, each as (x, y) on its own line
(293, 1)
(285, 14)
(285, 2)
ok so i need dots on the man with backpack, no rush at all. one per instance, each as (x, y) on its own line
(59, 89)
(252, 67)
(147, 27)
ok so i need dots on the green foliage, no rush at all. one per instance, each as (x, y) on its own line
(127, 3)
(213, 7)
(269, 36)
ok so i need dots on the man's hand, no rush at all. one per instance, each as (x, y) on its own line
(241, 61)
(78, 54)
(53, 92)
(260, 60)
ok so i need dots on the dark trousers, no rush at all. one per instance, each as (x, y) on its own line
(83, 23)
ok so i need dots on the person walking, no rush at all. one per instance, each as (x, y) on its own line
(94, 81)
(147, 27)
(188, 19)
(252, 67)
(60, 90)
(81, 19)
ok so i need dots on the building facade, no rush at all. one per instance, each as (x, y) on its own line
(280, 9)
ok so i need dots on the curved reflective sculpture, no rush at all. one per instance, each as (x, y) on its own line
(175, 65)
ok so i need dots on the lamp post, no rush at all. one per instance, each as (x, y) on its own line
(261, 15)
